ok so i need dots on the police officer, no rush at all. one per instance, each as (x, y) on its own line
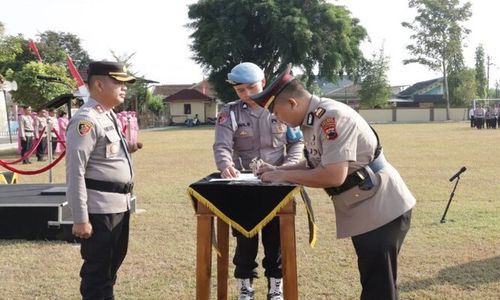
(41, 133)
(372, 203)
(99, 176)
(26, 132)
(54, 124)
(479, 117)
(245, 131)
(471, 117)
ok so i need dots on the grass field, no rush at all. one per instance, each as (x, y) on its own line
(456, 260)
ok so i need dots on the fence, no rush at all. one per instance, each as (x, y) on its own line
(413, 114)
(6, 133)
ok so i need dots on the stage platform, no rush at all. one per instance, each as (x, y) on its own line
(36, 211)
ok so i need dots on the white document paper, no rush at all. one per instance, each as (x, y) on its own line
(242, 177)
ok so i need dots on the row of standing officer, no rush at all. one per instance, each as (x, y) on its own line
(35, 128)
(481, 117)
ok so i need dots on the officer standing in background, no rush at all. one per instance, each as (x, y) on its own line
(479, 113)
(55, 128)
(99, 176)
(41, 133)
(245, 131)
(471, 117)
(26, 132)
(344, 156)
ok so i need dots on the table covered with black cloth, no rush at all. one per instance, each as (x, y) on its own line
(247, 205)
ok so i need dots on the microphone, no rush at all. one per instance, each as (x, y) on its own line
(48, 78)
(458, 173)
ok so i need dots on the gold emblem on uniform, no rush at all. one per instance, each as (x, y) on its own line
(319, 112)
(99, 108)
(114, 148)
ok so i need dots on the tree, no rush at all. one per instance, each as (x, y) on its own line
(481, 84)
(154, 103)
(137, 93)
(464, 87)
(54, 46)
(375, 89)
(37, 93)
(438, 35)
(457, 78)
(312, 35)
(11, 48)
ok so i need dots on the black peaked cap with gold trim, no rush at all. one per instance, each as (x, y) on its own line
(108, 68)
(269, 94)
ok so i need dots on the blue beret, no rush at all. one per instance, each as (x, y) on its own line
(245, 73)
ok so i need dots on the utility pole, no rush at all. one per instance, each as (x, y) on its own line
(488, 64)
(497, 84)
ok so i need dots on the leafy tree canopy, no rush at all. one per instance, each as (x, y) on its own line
(54, 46)
(313, 35)
(464, 87)
(481, 84)
(12, 49)
(375, 89)
(35, 92)
(155, 103)
(437, 35)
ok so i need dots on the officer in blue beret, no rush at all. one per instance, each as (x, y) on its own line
(245, 131)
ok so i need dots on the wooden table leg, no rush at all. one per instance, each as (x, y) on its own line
(288, 251)
(203, 252)
(223, 259)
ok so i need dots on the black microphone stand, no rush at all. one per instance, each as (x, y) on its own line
(449, 201)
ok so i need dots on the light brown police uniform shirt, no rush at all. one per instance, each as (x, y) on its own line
(55, 126)
(95, 150)
(333, 133)
(40, 124)
(26, 128)
(243, 133)
(479, 112)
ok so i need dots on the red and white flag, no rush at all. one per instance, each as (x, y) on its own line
(77, 77)
(33, 48)
(74, 72)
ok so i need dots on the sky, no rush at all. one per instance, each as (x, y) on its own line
(155, 31)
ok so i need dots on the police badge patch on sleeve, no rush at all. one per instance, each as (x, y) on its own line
(329, 126)
(223, 117)
(84, 127)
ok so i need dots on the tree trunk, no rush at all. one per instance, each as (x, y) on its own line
(446, 93)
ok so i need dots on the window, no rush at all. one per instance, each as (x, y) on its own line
(187, 109)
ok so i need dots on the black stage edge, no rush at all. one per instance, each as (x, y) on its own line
(36, 212)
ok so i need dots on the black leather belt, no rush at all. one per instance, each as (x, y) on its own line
(352, 180)
(359, 178)
(110, 187)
